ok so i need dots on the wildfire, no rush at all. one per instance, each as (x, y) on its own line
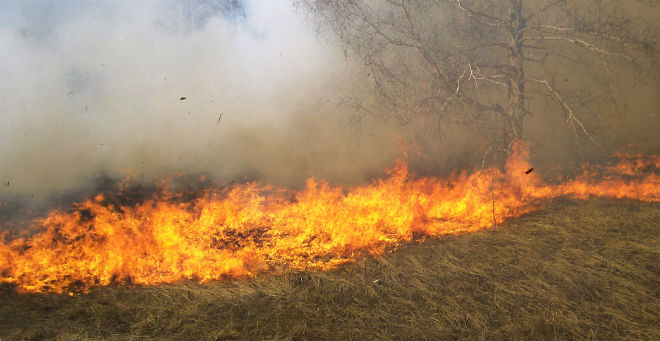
(249, 229)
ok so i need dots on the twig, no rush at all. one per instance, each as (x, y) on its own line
(581, 43)
(570, 116)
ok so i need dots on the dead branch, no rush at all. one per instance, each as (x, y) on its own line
(568, 111)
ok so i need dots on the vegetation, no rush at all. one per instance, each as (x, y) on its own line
(572, 270)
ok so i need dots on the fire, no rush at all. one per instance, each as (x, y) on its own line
(250, 229)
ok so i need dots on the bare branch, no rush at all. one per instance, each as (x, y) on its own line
(477, 75)
(545, 8)
(570, 116)
(579, 42)
(489, 19)
(572, 30)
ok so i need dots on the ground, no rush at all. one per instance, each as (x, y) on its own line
(574, 269)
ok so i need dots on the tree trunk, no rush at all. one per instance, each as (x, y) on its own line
(516, 109)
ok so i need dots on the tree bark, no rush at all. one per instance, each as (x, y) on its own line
(516, 76)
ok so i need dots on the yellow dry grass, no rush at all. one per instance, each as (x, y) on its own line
(573, 270)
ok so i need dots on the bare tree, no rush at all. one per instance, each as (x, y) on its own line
(489, 64)
(186, 16)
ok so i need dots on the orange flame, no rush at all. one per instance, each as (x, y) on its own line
(251, 229)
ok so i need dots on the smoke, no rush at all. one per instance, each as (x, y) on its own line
(93, 88)
(98, 87)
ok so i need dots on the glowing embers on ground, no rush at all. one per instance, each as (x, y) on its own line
(249, 229)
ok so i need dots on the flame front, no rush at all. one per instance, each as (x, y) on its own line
(252, 229)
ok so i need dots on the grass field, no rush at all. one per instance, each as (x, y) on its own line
(575, 269)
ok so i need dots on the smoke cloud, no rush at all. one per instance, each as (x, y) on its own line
(99, 87)
(125, 87)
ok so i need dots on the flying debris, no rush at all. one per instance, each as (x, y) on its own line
(182, 98)
(219, 118)
(529, 170)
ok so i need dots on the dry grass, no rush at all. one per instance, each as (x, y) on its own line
(573, 270)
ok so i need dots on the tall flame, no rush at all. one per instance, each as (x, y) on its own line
(250, 229)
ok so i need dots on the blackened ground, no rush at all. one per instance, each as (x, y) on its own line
(18, 210)
(572, 270)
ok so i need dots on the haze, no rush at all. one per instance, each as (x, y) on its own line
(95, 87)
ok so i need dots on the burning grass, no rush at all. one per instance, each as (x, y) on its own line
(574, 269)
(250, 229)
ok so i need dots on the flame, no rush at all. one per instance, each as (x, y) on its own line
(250, 229)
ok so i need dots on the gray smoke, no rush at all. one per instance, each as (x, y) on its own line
(92, 88)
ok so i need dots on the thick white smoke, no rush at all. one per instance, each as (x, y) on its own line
(93, 87)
